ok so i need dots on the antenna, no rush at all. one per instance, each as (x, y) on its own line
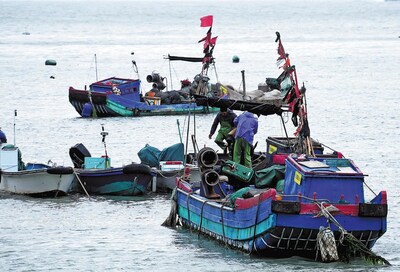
(15, 115)
(95, 62)
(104, 134)
(134, 66)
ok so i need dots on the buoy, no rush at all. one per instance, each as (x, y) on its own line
(235, 59)
(50, 62)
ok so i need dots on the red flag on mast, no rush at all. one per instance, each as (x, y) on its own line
(206, 21)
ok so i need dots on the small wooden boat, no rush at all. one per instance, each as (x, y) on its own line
(121, 97)
(34, 179)
(301, 202)
(169, 165)
(95, 176)
(320, 197)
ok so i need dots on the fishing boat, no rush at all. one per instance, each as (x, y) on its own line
(170, 164)
(320, 198)
(303, 203)
(122, 97)
(33, 179)
(116, 96)
(95, 176)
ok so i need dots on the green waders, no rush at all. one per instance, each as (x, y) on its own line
(223, 134)
(242, 147)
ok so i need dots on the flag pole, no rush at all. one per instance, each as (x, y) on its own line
(15, 114)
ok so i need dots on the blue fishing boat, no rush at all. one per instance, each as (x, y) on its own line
(116, 96)
(320, 197)
(301, 203)
(122, 97)
(95, 176)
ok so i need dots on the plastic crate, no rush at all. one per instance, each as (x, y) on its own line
(97, 163)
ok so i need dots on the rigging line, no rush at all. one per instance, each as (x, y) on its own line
(287, 137)
(256, 222)
(369, 188)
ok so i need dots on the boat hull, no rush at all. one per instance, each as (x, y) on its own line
(110, 105)
(112, 181)
(254, 226)
(166, 180)
(36, 182)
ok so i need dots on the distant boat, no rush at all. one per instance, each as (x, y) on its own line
(121, 97)
(34, 179)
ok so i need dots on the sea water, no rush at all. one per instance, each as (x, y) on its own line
(347, 53)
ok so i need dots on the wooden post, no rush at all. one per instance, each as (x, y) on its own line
(244, 85)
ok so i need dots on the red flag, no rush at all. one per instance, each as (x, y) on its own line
(210, 41)
(206, 21)
(281, 51)
(213, 41)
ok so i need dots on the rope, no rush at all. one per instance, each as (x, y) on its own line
(255, 223)
(353, 244)
(201, 217)
(80, 182)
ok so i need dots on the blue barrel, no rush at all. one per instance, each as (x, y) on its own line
(87, 110)
(3, 138)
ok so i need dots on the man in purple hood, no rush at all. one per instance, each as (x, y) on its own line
(247, 127)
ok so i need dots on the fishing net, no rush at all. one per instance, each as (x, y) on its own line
(172, 217)
(351, 247)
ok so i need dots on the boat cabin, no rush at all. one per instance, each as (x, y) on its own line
(118, 86)
(336, 180)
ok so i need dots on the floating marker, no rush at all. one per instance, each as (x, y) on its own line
(235, 59)
(51, 62)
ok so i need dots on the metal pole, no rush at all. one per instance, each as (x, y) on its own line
(15, 115)
(170, 74)
(95, 62)
(244, 85)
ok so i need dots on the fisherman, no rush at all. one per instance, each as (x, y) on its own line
(247, 127)
(153, 91)
(225, 118)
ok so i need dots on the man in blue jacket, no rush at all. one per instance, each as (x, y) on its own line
(246, 127)
(225, 118)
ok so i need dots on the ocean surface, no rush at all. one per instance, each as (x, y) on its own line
(347, 53)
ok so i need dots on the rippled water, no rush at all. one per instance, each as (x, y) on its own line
(346, 52)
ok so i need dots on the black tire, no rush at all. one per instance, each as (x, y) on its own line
(60, 170)
(135, 168)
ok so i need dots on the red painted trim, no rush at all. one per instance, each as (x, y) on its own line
(384, 197)
(183, 185)
(279, 158)
(242, 204)
(346, 209)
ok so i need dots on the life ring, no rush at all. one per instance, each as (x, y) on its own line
(60, 170)
(137, 168)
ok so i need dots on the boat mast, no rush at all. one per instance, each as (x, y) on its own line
(95, 63)
(15, 115)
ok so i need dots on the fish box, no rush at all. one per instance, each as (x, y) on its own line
(239, 175)
(97, 163)
(171, 165)
(324, 178)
